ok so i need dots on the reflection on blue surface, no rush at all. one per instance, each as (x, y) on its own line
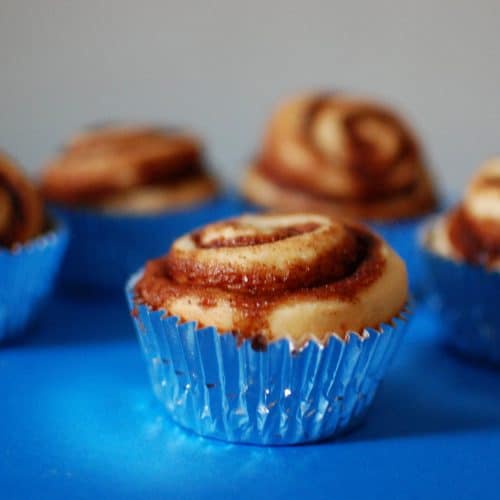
(78, 420)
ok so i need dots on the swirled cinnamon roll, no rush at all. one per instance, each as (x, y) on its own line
(129, 169)
(471, 232)
(338, 154)
(21, 210)
(271, 276)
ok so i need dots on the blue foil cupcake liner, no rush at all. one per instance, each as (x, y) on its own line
(105, 249)
(219, 389)
(467, 300)
(27, 275)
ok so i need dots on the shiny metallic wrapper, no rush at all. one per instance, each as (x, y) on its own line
(28, 274)
(219, 389)
(467, 300)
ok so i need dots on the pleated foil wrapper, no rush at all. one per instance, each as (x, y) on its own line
(211, 385)
(28, 273)
(467, 299)
(105, 249)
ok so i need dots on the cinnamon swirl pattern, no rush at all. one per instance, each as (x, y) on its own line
(339, 154)
(462, 254)
(236, 315)
(135, 169)
(279, 276)
(21, 211)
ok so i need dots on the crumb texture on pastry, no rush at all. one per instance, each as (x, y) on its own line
(271, 276)
(129, 169)
(21, 209)
(340, 154)
(471, 232)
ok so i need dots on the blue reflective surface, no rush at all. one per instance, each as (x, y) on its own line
(78, 420)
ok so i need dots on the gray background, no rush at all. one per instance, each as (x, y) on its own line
(219, 67)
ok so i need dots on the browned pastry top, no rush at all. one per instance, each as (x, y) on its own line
(101, 164)
(472, 230)
(294, 275)
(346, 155)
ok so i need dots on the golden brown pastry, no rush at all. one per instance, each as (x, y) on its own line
(271, 276)
(471, 232)
(21, 209)
(129, 169)
(339, 154)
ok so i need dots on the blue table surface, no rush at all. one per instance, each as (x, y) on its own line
(78, 420)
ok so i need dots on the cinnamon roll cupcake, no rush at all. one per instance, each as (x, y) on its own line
(31, 248)
(462, 256)
(126, 192)
(339, 154)
(270, 329)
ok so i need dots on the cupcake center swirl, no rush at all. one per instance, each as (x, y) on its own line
(271, 253)
(367, 140)
(237, 234)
